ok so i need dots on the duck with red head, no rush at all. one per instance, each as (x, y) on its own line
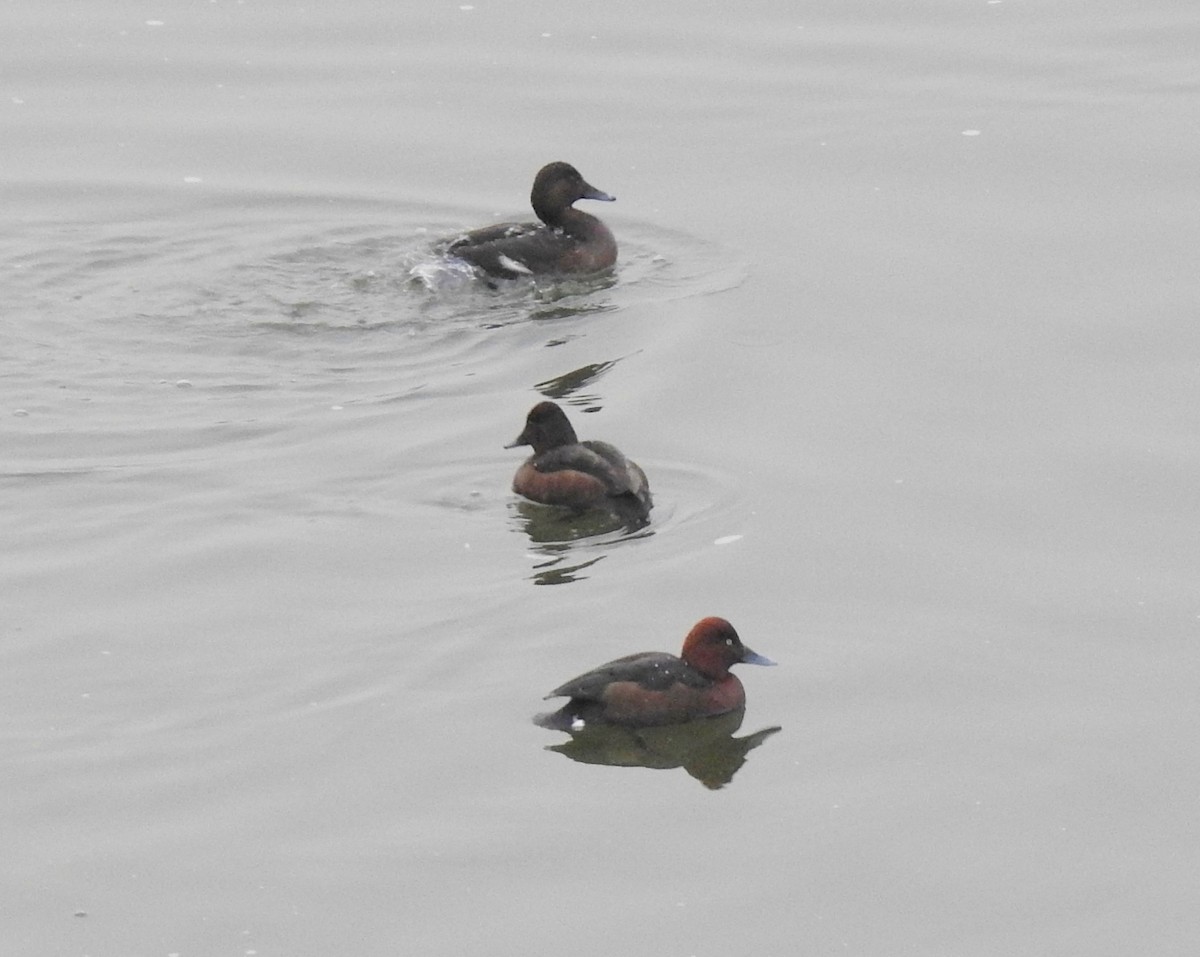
(578, 475)
(655, 688)
(567, 241)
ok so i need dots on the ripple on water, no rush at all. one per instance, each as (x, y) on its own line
(693, 510)
(692, 504)
(163, 316)
(248, 278)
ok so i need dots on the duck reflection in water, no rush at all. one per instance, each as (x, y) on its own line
(668, 711)
(705, 748)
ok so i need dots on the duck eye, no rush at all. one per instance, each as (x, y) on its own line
(729, 641)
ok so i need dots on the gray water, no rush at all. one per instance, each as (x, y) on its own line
(904, 333)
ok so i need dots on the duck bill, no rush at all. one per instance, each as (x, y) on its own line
(754, 658)
(518, 442)
(590, 192)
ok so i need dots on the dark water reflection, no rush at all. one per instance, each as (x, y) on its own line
(561, 538)
(706, 748)
(566, 385)
(553, 572)
(557, 526)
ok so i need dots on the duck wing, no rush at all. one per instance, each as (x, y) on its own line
(510, 250)
(604, 463)
(627, 477)
(653, 670)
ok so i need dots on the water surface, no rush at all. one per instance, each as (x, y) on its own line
(902, 332)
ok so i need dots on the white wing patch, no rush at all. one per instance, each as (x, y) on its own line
(514, 265)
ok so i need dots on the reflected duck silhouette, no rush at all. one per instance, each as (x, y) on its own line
(705, 748)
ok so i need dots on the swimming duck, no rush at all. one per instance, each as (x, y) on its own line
(655, 688)
(567, 241)
(578, 475)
